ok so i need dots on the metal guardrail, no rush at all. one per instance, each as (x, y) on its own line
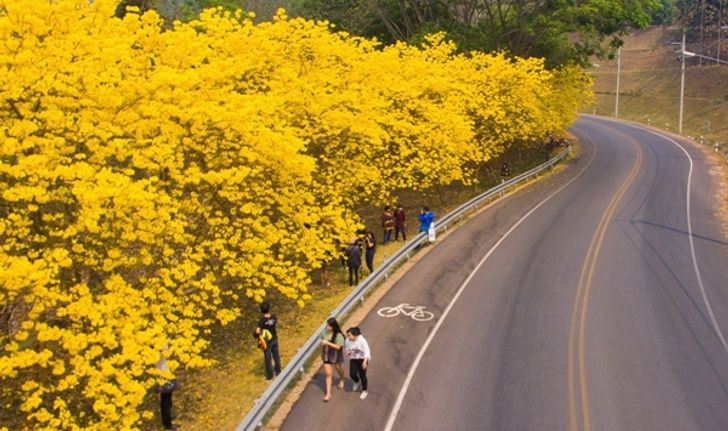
(296, 366)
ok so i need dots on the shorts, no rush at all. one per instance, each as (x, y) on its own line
(332, 356)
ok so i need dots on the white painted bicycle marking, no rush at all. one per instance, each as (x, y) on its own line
(416, 312)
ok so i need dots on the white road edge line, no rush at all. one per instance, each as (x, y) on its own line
(706, 301)
(416, 363)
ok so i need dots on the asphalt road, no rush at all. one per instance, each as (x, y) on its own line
(590, 300)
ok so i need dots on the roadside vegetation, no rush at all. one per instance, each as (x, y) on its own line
(650, 72)
(650, 87)
(156, 179)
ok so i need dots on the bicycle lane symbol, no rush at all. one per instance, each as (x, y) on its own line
(416, 312)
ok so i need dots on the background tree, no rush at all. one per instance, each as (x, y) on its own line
(664, 12)
(560, 31)
(702, 21)
(186, 10)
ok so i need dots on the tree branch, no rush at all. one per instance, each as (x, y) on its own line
(15, 110)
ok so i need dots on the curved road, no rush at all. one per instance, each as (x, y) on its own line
(595, 299)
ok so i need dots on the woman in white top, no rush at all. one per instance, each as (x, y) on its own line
(357, 349)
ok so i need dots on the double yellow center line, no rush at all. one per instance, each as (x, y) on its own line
(581, 302)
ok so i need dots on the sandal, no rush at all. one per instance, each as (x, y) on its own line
(327, 399)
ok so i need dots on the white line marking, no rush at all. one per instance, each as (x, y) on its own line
(416, 363)
(706, 301)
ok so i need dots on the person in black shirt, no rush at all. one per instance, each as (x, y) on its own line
(353, 261)
(371, 247)
(266, 330)
(505, 172)
(400, 223)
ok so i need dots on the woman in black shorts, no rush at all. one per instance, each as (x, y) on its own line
(332, 353)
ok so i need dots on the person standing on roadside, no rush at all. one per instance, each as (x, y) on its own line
(387, 224)
(332, 354)
(164, 392)
(505, 173)
(426, 218)
(353, 261)
(400, 223)
(266, 331)
(371, 247)
(357, 349)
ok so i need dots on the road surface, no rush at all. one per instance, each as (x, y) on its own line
(595, 299)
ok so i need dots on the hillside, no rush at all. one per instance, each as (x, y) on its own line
(650, 87)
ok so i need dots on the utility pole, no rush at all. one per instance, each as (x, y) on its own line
(619, 69)
(720, 27)
(702, 19)
(682, 83)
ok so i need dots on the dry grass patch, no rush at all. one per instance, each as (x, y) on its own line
(650, 87)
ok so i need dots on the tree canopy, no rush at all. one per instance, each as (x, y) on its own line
(561, 31)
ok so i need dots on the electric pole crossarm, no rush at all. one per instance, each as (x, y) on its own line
(692, 54)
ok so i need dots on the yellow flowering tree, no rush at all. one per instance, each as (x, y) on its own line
(151, 177)
(138, 193)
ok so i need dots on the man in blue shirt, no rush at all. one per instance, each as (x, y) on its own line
(426, 218)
